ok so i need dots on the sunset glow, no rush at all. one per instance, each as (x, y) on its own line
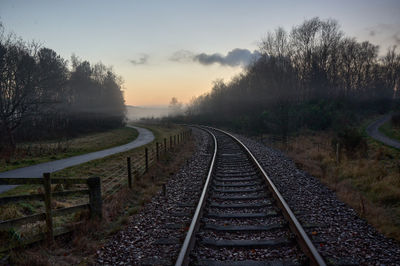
(142, 39)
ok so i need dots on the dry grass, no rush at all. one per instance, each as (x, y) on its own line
(367, 181)
(80, 246)
(38, 152)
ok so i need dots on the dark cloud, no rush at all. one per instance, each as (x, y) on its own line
(141, 61)
(236, 57)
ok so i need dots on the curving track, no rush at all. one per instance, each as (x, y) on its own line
(241, 218)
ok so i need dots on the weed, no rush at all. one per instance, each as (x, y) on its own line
(10, 211)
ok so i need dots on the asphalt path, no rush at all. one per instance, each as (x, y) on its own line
(373, 131)
(145, 136)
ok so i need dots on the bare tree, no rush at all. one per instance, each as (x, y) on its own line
(175, 107)
(301, 79)
(18, 96)
(40, 97)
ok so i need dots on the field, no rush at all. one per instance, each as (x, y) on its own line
(39, 152)
(368, 179)
(117, 207)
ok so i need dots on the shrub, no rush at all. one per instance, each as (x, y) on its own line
(396, 120)
(352, 140)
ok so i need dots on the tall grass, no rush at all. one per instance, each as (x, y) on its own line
(367, 179)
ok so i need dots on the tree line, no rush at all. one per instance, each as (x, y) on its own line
(311, 77)
(42, 97)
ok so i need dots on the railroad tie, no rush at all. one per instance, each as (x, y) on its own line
(236, 228)
(223, 243)
(241, 215)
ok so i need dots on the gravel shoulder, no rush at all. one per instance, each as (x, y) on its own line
(373, 131)
(154, 236)
(335, 228)
(145, 136)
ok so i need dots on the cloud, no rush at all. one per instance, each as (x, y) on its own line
(182, 56)
(236, 57)
(141, 61)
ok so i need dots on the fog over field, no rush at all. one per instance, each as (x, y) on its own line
(134, 113)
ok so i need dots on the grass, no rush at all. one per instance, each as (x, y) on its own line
(116, 209)
(32, 153)
(367, 181)
(390, 130)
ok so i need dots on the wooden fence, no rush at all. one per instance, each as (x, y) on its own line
(94, 205)
(134, 167)
(98, 189)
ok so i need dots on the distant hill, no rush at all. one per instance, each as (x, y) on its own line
(136, 112)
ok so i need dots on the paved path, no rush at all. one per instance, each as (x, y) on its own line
(145, 136)
(373, 132)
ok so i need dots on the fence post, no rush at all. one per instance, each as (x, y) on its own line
(170, 142)
(174, 140)
(165, 145)
(95, 200)
(47, 202)
(146, 154)
(157, 152)
(128, 160)
(177, 137)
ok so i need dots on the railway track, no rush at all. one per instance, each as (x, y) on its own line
(241, 218)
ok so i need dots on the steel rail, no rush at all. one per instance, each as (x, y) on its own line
(302, 238)
(194, 225)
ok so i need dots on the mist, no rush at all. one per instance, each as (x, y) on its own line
(312, 77)
(135, 113)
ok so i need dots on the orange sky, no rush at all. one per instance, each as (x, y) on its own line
(157, 84)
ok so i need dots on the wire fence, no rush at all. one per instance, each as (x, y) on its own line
(99, 189)
(126, 172)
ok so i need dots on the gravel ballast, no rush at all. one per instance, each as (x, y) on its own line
(154, 236)
(340, 235)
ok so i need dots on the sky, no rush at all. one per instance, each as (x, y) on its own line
(164, 49)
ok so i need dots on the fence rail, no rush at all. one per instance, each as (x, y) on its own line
(47, 196)
(98, 189)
